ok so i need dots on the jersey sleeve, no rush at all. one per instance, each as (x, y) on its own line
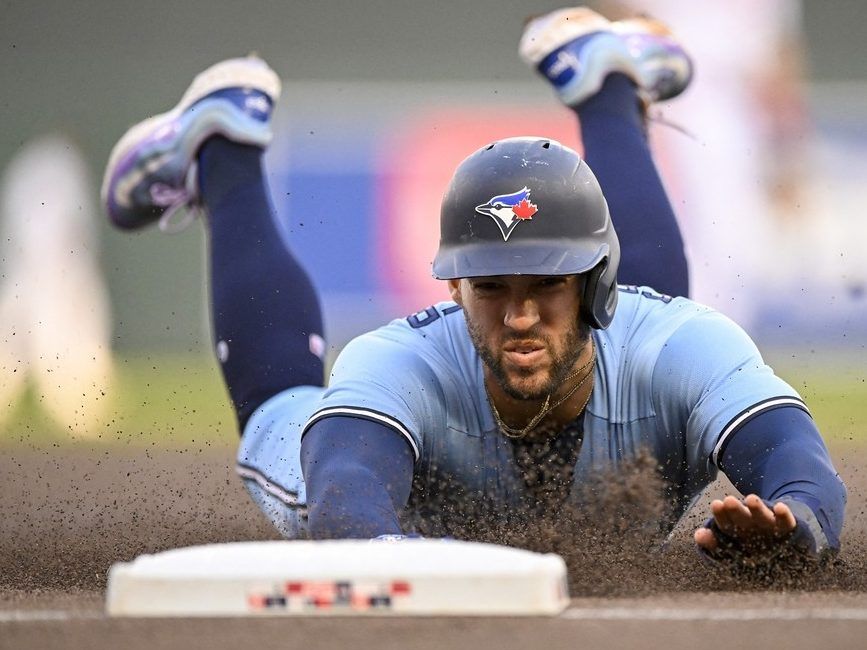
(380, 377)
(708, 381)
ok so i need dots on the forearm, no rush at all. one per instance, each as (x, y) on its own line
(358, 476)
(779, 455)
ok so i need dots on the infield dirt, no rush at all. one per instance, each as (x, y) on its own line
(68, 513)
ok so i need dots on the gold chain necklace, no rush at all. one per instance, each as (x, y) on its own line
(512, 432)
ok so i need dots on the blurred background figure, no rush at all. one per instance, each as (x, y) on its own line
(738, 175)
(54, 310)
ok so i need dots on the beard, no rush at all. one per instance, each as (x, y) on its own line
(562, 361)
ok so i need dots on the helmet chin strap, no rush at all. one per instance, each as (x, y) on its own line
(587, 370)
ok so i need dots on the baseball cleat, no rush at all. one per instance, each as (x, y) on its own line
(151, 172)
(664, 67)
(576, 49)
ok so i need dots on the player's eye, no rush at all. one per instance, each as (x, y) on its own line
(486, 286)
(555, 281)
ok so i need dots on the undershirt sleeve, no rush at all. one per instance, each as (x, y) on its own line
(780, 456)
(358, 475)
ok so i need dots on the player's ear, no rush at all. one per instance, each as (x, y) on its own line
(455, 291)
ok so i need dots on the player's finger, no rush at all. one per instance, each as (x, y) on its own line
(785, 518)
(721, 515)
(705, 538)
(736, 505)
(738, 515)
(761, 515)
(724, 511)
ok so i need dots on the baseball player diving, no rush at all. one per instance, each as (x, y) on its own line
(564, 344)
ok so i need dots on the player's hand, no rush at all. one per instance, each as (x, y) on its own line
(746, 528)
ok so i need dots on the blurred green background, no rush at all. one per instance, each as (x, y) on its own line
(178, 401)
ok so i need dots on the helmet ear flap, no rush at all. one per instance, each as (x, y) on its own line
(600, 296)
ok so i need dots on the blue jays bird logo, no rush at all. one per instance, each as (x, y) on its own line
(508, 210)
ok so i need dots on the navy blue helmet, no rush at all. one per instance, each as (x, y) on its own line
(530, 206)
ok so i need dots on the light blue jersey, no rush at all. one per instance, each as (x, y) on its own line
(673, 378)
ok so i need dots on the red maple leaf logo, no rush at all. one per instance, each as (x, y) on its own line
(525, 209)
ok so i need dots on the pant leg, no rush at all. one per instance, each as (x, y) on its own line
(267, 319)
(616, 149)
(269, 458)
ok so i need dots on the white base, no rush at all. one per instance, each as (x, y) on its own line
(420, 577)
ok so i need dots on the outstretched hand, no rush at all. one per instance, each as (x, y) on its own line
(750, 524)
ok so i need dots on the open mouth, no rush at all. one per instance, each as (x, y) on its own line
(524, 354)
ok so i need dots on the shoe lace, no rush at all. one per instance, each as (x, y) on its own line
(172, 226)
(656, 117)
(176, 199)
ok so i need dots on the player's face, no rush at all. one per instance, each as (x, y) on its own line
(525, 328)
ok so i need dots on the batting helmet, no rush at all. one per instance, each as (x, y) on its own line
(530, 206)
